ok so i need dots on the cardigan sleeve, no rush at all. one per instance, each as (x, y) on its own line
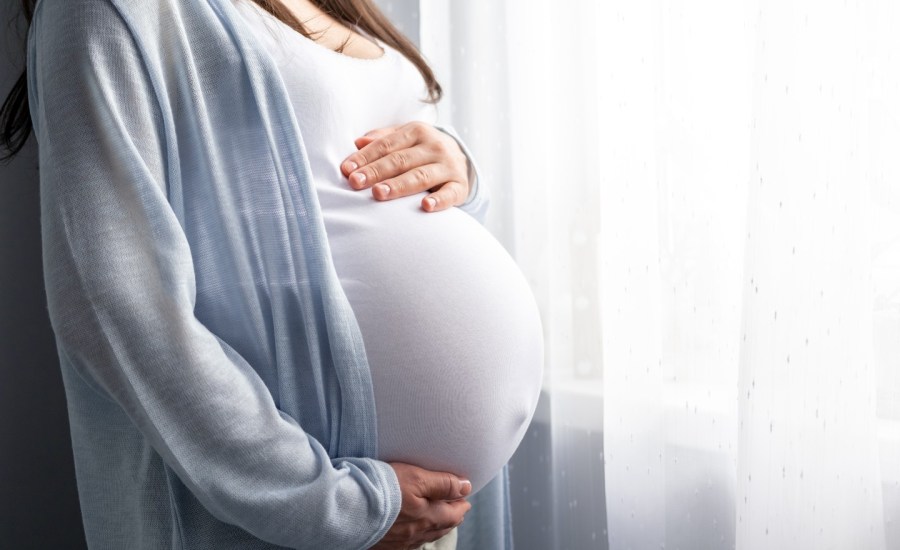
(479, 199)
(120, 287)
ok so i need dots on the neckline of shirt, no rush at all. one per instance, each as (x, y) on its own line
(288, 30)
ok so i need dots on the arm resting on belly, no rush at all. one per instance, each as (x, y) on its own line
(121, 290)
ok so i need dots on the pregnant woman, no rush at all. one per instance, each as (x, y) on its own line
(274, 330)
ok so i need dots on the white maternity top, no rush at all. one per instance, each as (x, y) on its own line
(451, 329)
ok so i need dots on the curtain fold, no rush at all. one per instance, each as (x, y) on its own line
(704, 197)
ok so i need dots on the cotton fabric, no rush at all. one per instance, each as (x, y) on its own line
(217, 385)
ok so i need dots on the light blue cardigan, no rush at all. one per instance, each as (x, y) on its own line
(217, 384)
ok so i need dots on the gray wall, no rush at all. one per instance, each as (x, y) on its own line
(37, 478)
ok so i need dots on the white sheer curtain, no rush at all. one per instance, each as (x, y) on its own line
(705, 197)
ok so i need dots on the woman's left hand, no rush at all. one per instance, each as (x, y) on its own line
(402, 160)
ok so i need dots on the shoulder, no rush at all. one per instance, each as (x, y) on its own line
(92, 21)
(80, 11)
(84, 32)
(82, 52)
(121, 35)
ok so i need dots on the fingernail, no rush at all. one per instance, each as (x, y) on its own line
(351, 166)
(359, 178)
(466, 487)
(384, 189)
(431, 202)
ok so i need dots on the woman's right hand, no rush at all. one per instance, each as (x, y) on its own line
(433, 504)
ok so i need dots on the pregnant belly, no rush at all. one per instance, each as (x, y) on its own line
(452, 334)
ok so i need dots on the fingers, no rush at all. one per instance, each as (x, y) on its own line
(399, 138)
(405, 160)
(439, 518)
(409, 165)
(362, 141)
(378, 132)
(432, 505)
(443, 486)
(419, 483)
(372, 135)
(417, 180)
(452, 193)
(446, 514)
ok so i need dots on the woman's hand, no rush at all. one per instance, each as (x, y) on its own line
(405, 159)
(433, 504)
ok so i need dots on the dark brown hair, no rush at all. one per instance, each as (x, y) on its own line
(15, 118)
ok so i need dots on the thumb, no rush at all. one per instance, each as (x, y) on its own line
(445, 486)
